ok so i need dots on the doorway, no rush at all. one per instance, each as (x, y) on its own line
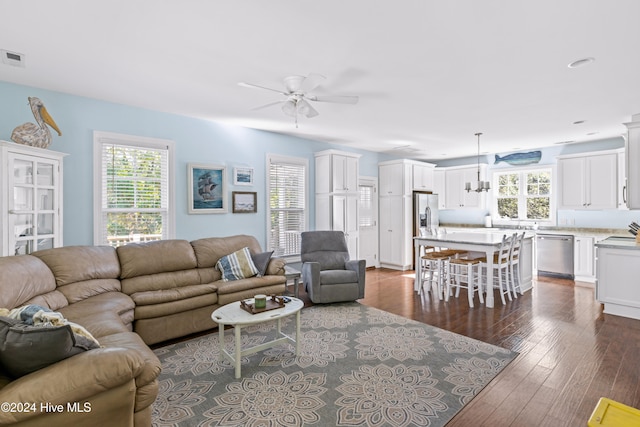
(368, 220)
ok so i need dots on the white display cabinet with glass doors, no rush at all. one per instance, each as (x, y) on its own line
(31, 198)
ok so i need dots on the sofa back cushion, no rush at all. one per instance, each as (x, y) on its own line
(25, 279)
(83, 271)
(151, 266)
(209, 250)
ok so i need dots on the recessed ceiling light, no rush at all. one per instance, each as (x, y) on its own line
(564, 142)
(581, 62)
(592, 133)
(578, 122)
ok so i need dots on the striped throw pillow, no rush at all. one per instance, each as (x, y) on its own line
(237, 265)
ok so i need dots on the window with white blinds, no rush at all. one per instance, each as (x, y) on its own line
(287, 204)
(133, 200)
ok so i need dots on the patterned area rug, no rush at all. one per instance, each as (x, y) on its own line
(358, 366)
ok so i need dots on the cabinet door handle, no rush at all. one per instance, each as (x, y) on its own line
(624, 194)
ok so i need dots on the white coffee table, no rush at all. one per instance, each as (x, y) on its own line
(233, 315)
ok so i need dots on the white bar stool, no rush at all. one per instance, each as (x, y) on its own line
(462, 270)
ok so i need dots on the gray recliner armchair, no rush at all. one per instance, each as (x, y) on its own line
(327, 272)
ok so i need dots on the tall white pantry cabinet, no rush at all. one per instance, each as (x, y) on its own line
(30, 199)
(398, 179)
(337, 195)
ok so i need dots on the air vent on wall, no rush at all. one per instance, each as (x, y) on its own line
(12, 58)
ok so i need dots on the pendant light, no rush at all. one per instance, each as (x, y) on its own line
(480, 185)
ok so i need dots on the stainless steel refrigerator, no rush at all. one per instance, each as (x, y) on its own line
(425, 213)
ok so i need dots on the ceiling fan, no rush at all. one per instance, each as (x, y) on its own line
(297, 96)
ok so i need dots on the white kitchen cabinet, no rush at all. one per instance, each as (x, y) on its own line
(622, 180)
(337, 195)
(632, 160)
(31, 198)
(588, 181)
(583, 259)
(423, 179)
(396, 235)
(439, 187)
(395, 178)
(455, 194)
(397, 181)
(617, 285)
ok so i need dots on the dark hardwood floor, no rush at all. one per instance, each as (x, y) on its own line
(570, 353)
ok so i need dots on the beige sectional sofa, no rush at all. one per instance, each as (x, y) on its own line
(127, 298)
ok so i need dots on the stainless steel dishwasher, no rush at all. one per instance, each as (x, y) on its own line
(554, 253)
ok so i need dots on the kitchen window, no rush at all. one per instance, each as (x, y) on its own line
(132, 187)
(523, 195)
(287, 206)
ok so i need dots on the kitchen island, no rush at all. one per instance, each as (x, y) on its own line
(485, 242)
(617, 272)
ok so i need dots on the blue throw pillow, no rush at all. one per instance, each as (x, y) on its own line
(237, 265)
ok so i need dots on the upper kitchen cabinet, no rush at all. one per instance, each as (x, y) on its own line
(423, 178)
(31, 199)
(588, 181)
(402, 177)
(336, 172)
(456, 197)
(632, 152)
(439, 187)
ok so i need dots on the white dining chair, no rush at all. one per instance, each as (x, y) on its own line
(501, 264)
(514, 264)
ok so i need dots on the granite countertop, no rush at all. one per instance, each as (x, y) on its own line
(616, 242)
(597, 233)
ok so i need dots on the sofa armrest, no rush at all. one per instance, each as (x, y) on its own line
(359, 266)
(276, 267)
(75, 379)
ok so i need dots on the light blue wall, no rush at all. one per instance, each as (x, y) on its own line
(196, 140)
(610, 218)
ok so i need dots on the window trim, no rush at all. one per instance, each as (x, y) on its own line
(278, 158)
(496, 220)
(99, 139)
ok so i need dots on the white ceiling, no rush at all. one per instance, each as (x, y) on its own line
(429, 73)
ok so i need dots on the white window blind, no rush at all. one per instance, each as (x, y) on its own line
(287, 206)
(366, 217)
(134, 200)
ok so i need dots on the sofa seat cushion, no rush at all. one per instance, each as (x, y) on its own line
(178, 306)
(247, 284)
(332, 277)
(103, 314)
(170, 295)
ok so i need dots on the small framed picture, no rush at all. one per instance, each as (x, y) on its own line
(207, 188)
(244, 201)
(242, 176)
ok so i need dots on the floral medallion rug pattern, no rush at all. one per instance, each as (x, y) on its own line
(358, 366)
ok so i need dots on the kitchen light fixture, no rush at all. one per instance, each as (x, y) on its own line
(480, 185)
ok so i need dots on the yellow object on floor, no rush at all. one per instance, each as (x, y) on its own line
(611, 413)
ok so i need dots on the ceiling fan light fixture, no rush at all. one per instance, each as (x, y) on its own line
(289, 107)
(304, 108)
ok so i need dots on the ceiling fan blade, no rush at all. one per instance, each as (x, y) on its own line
(311, 82)
(339, 99)
(251, 85)
(267, 105)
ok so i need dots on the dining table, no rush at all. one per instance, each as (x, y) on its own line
(486, 242)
